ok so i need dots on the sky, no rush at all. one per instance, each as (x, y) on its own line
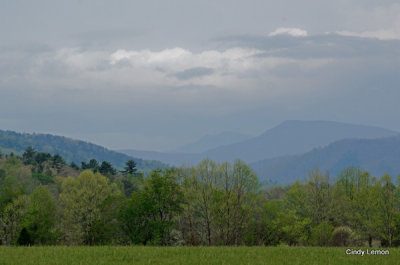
(155, 75)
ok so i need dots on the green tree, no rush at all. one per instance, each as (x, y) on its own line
(319, 196)
(234, 201)
(149, 215)
(17, 179)
(57, 162)
(132, 179)
(295, 217)
(81, 201)
(12, 219)
(40, 159)
(386, 210)
(297, 199)
(268, 229)
(364, 212)
(295, 230)
(106, 169)
(29, 156)
(322, 234)
(107, 229)
(206, 175)
(24, 238)
(130, 167)
(190, 218)
(41, 217)
(93, 165)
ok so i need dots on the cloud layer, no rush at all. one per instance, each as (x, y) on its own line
(150, 75)
(111, 96)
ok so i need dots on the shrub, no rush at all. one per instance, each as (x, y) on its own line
(342, 236)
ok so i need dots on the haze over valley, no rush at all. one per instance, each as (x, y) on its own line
(170, 84)
(282, 155)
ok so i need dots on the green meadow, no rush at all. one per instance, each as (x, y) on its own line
(188, 255)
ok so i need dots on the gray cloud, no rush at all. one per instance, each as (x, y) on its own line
(188, 23)
(193, 73)
(150, 75)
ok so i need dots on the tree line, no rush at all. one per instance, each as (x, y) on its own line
(43, 201)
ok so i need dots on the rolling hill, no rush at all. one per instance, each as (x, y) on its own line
(71, 150)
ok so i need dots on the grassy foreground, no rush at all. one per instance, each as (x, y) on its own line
(187, 255)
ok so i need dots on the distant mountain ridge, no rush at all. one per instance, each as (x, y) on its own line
(288, 138)
(294, 137)
(377, 156)
(71, 150)
(288, 151)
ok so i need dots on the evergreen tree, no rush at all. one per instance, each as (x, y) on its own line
(130, 167)
(29, 156)
(107, 169)
(24, 238)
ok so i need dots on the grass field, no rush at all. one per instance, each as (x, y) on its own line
(188, 255)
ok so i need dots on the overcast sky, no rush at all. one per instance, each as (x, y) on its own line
(154, 75)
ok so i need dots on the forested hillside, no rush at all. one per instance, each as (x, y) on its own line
(45, 202)
(71, 150)
(377, 156)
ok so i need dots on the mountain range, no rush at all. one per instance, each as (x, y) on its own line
(288, 138)
(280, 155)
(377, 156)
(294, 137)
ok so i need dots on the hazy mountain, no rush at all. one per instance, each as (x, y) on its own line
(212, 141)
(378, 156)
(71, 150)
(294, 137)
(288, 138)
